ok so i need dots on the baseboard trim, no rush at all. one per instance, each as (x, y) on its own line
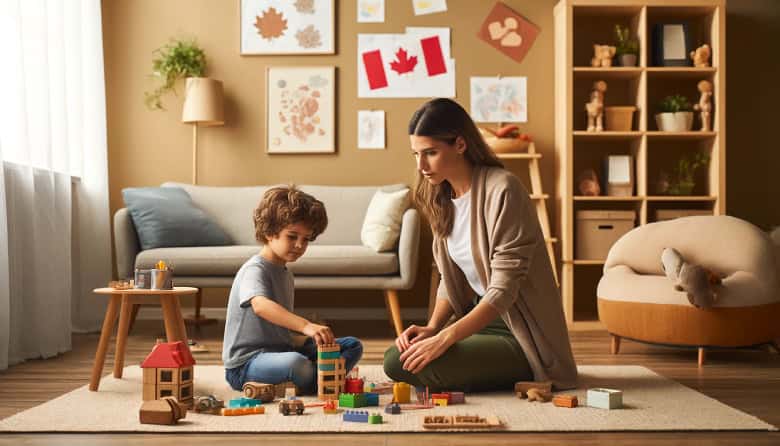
(333, 314)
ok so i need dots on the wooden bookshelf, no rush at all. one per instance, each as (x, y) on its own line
(578, 25)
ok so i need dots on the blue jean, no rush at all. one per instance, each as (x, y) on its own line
(298, 366)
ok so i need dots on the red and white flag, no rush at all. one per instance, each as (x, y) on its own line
(415, 64)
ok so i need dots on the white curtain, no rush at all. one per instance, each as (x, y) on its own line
(54, 216)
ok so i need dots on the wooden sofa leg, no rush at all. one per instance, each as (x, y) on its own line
(391, 300)
(198, 319)
(702, 356)
(615, 347)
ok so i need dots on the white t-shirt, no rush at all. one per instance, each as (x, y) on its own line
(459, 242)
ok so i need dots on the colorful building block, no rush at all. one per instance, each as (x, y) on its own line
(402, 393)
(353, 400)
(243, 402)
(457, 397)
(236, 411)
(441, 402)
(393, 409)
(330, 407)
(605, 398)
(375, 418)
(372, 399)
(356, 416)
(569, 401)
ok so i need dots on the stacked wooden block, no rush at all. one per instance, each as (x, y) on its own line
(331, 372)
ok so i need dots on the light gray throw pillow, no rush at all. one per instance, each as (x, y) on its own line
(166, 217)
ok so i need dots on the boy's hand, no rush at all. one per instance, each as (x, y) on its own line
(322, 334)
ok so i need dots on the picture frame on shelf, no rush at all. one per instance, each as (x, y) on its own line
(671, 45)
(619, 175)
(277, 27)
(300, 111)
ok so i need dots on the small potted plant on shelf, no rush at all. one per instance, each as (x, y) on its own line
(627, 49)
(683, 182)
(179, 59)
(675, 115)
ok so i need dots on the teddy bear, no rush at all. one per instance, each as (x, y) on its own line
(595, 107)
(701, 56)
(705, 104)
(588, 183)
(602, 55)
(696, 281)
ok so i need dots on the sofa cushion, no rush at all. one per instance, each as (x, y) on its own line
(333, 260)
(167, 217)
(233, 208)
(382, 225)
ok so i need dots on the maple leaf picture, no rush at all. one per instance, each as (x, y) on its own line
(403, 63)
(271, 24)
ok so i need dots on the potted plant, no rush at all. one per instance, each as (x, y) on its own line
(626, 49)
(683, 180)
(675, 114)
(179, 59)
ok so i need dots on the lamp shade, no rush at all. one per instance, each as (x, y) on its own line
(203, 102)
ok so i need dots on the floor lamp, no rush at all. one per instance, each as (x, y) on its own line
(203, 105)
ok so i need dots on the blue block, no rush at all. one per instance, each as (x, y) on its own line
(357, 416)
(372, 399)
(244, 402)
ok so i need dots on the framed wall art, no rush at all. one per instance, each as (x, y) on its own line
(300, 109)
(671, 45)
(287, 27)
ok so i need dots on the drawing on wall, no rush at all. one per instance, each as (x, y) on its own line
(415, 64)
(300, 109)
(422, 7)
(509, 32)
(371, 129)
(287, 27)
(496, 99)
(370, 11)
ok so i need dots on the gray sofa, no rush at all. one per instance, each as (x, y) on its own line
(336, 260)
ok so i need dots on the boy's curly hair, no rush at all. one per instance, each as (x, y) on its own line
(286, 205)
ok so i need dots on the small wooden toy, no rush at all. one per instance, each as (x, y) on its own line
(461, 421)
(393, 408)
(522, 387)
(291, 406)
(605, 398)
(569, 401)
(243, 402)
(456, 397)
(261, 391)
(208, 404)
(701, 56)
(121, 284)
(166, 410)
(380, 388)
(330, 407)
(704, 107)
(595, 107)
(355, 416)
(375, 418)
(588, 183)
(280, 390)
(237, 411)
(602, 55)
(331, 373)
(168, 371)
(535, 394)
(402, 392)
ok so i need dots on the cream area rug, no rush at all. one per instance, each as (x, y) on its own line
(651, 402)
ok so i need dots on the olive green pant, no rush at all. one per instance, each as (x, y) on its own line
(490, 359)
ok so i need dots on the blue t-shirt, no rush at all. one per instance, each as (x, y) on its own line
(245, 332)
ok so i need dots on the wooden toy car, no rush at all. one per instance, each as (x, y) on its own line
(291, 406)
(261, 391)
(208, 404)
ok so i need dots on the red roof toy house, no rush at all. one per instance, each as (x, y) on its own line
(168, 371)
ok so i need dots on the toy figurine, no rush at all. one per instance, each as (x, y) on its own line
(588, 183)
(705, 105)
(602, 55)
(595, 107)
(701, 56)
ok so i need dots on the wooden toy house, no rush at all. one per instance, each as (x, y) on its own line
(168, 371)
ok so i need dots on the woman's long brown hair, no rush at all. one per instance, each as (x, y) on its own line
(445, 120)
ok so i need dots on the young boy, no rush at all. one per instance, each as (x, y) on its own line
(257, 343)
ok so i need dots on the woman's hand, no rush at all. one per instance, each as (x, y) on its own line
(413, 334)
(322, 334)
(421, 353)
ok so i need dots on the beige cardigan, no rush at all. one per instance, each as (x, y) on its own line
(511, 260)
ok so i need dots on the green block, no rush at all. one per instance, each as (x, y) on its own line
(326, 367)
(352, 400)
(375, 419)
(329, 355)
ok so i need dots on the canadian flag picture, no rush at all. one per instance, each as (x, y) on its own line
(415, 64)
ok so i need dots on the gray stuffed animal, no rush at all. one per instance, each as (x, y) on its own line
(695, 280)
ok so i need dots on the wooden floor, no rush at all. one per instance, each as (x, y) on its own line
(748, 380)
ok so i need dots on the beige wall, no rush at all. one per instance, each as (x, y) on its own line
(147, 148)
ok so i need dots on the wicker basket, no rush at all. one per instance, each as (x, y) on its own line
(507, 145)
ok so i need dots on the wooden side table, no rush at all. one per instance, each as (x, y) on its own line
(126, 301)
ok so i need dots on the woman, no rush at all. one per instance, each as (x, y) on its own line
(496, 274)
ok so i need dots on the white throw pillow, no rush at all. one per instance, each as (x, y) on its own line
(382, 225)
